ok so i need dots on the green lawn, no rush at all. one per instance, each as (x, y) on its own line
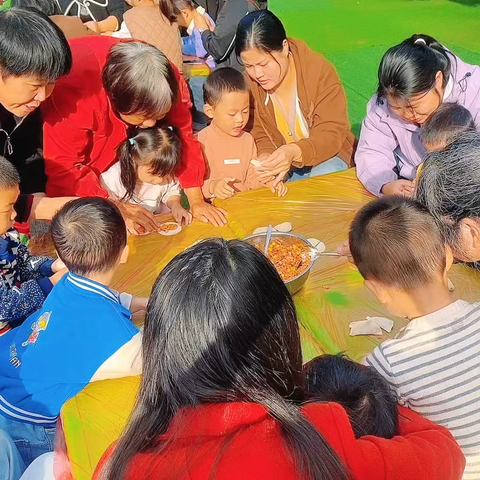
(353, 34)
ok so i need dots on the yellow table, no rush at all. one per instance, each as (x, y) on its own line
(333, 296)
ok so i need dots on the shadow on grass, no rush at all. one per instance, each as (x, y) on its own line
(467, 3)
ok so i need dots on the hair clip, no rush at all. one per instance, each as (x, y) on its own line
(419, 41)
(131, 141)
(170, 128)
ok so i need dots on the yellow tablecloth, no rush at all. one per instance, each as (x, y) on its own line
(333, 296)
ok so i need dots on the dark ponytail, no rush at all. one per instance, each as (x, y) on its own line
(410, 68)
(261, 30)
(168, 10)
(158, 147)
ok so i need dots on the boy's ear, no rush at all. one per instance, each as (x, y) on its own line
(124, 255)
(208, 109)
(378, 290)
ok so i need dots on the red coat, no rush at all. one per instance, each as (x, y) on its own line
(82, 132)
(423, 450)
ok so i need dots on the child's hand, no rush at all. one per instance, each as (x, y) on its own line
(222, 188)
(180, 214)
(55, 278)
(404, 188)
(139, 304)
(281, 189)
(58, 265)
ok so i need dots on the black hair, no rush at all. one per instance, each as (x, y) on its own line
(221, 327)
(32, 45)
(396, 241)
(221, 81)
(445, 124)
(139, 79)
(48, 7)
(168, 9)
(158, 147)
(366, 396)
(89, 235)
(410, 68)
(261, 30)
(9, 177)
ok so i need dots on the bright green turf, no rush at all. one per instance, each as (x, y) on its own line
(353, 34)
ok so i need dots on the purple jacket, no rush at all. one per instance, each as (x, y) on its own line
(390, 147)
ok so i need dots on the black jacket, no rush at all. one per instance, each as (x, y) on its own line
(220, 43)
(22, 144)
(115, 8)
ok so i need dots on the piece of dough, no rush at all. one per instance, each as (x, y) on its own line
(169, 232)
(260, 230)
(256, 163)
(365, 327)
(384, 323)
(284, 227)
(320, 247)
(313, 241)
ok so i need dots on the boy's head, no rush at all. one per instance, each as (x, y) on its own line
(366, 396)
(399, 250)
(34, 54)
(9, 181)
(90, 236)
(448, 122)
(227, 100)
(184, 11)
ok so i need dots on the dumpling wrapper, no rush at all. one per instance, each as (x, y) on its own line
(365, 327)
(313, 241)
(170, 232)
(284, 227)
(260, 230)
(384, 323)
(256, 163)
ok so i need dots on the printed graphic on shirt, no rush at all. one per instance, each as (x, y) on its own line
(232, 161)
(37, 327)
(14, 360)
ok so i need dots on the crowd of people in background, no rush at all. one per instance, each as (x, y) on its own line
(103, 126)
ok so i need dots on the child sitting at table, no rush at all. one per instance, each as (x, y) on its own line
(433, 364)
(445, 124)
(365, 395)
(144, 174)
(83, 332)
(228, 149)
(25, 281)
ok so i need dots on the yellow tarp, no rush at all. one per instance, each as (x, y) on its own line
(333, 296)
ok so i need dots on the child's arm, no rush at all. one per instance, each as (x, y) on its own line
(173, 199)
(377, 360)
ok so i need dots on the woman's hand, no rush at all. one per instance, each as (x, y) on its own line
(138, 219)
(201, 22)
(405, 188)
(139, 304)
(279, 163)
(344, 250)
(206, 212)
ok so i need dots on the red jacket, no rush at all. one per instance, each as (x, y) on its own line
(422, 450)
(82, 132)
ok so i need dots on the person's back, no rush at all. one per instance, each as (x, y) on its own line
(433, 364)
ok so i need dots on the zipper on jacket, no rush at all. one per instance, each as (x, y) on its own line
(8, 144)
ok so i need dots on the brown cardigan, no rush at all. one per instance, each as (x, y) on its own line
(323, 104)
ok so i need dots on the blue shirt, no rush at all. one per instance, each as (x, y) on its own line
(57, 350)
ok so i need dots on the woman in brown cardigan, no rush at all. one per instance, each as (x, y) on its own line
(300, 113)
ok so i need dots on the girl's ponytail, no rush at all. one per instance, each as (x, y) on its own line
(128, 170)
(168, 9)
(411, 67)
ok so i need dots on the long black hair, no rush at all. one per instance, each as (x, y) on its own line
(410, 68)
(168, 10)
(221, 327)
(158, 147)
(261, 30)
(48, 7)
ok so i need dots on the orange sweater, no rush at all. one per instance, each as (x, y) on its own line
(228, 156)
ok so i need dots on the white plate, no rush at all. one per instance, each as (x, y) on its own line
(170, 232)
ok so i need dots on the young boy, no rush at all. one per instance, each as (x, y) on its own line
(228, 149)
(82, 333)
(25, 281)
(366, 396)
(433, 365)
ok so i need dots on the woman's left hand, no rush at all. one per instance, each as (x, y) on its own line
(200, 22)
(279, 163)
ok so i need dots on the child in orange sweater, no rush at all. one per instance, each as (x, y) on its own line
(228, 149)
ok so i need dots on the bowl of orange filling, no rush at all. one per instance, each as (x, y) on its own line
(291, 254)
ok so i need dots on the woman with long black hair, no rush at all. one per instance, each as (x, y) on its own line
(222, 389)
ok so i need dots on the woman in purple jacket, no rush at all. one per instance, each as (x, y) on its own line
(414, 78)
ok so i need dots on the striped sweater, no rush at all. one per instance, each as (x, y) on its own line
(434, 366)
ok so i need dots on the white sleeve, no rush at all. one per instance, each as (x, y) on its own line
(111, 181)
(123, 32)
(125, 362)
(172, 190)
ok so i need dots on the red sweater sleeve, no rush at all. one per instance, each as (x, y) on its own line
(192, 170)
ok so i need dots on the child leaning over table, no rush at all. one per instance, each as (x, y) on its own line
(433, 364)
(25, 281)
(145, 172)
(83, 332)
(228, 149)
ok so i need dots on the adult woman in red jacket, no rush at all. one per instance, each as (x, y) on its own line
(114, 85)
(222, 392)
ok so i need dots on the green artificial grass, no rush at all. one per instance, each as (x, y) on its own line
(354, 34)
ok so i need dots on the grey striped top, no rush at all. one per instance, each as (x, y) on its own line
(434, 366)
